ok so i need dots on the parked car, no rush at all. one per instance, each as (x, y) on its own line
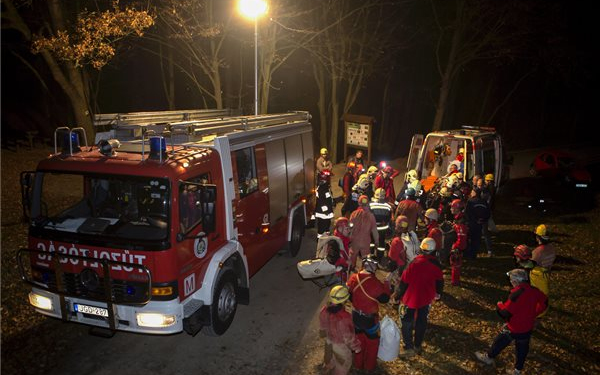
(561, 165)
(564, 170)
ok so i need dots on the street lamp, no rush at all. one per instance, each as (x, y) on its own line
(252, 9)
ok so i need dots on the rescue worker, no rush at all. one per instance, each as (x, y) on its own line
(410, 208)
(433, 229)
(519, 312)
(478, 214)
(385, 180)
(458, 247)
(341, 229)
(538, 276)
(397, 252)
(383, 217)
(337, 328)
(364, 227)
(357, 158)
(421, 282)
(545, 253)
(372, 172)
(350, 202)
(324, 204)
(367, 292)
(411, 181)
(323, 162)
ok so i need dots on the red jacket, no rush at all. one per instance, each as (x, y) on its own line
(397, 252)
(412, 210)
(421, 281)
(386, 184)
(521, 308)
(434, 231)
(339, 326)
(367, 292)
(461, 230)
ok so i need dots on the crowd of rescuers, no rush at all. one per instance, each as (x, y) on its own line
(395, 249)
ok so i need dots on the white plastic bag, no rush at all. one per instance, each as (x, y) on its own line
(389, 343)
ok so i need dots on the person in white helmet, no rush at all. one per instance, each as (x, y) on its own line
(421, 283)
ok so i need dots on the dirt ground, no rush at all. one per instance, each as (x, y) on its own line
(462, 322)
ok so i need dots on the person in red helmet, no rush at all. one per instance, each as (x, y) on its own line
(364, 227)
(458, 247)
(421, 283)
(385, 181)
(336, 326)
(397, 251)
(524, 304)
(539, 276)
(367, 292)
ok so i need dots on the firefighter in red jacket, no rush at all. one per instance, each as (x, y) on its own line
(524, 304)
(385, 181)
(364, 227)
(367, 292)
(461, 229)
(336, 326)
(422, 282)
(397, 252)
(433, 229)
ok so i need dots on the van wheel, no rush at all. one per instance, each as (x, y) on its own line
(224, 304)
(297, 234)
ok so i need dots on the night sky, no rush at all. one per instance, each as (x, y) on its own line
(553, 105)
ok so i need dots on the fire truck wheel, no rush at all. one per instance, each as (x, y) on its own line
(224, 304)
(297, 234)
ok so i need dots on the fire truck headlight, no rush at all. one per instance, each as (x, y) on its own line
(40, 302)
(155, 320)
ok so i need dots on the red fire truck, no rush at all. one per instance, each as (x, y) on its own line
(158, 227)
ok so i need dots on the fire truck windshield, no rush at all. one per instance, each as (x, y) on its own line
(115, 207)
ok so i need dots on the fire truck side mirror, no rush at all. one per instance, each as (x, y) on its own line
(209, 197)
(26, 186)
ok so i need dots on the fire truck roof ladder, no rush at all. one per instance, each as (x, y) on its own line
(158, 117)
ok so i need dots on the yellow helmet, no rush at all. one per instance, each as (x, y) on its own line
(489, 177)
(372, 169)
(379, 194)
(324, 151)
(338, 294)
(541, 231)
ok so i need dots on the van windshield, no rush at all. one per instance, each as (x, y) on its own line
(111, 207)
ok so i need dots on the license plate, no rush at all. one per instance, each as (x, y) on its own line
(92, 310)
(581, 185)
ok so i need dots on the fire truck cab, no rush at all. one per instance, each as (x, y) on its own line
(158, 228)
(480, 149)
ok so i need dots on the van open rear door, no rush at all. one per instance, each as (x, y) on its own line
(413, 153)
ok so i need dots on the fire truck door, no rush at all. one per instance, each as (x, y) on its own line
(252, 204)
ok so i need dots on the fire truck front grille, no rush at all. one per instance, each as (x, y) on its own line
(121, 291)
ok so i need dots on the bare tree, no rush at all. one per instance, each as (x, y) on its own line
(195, 35)
(480, 32)
(356, 41)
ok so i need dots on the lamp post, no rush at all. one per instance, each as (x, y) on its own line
(252, 9)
